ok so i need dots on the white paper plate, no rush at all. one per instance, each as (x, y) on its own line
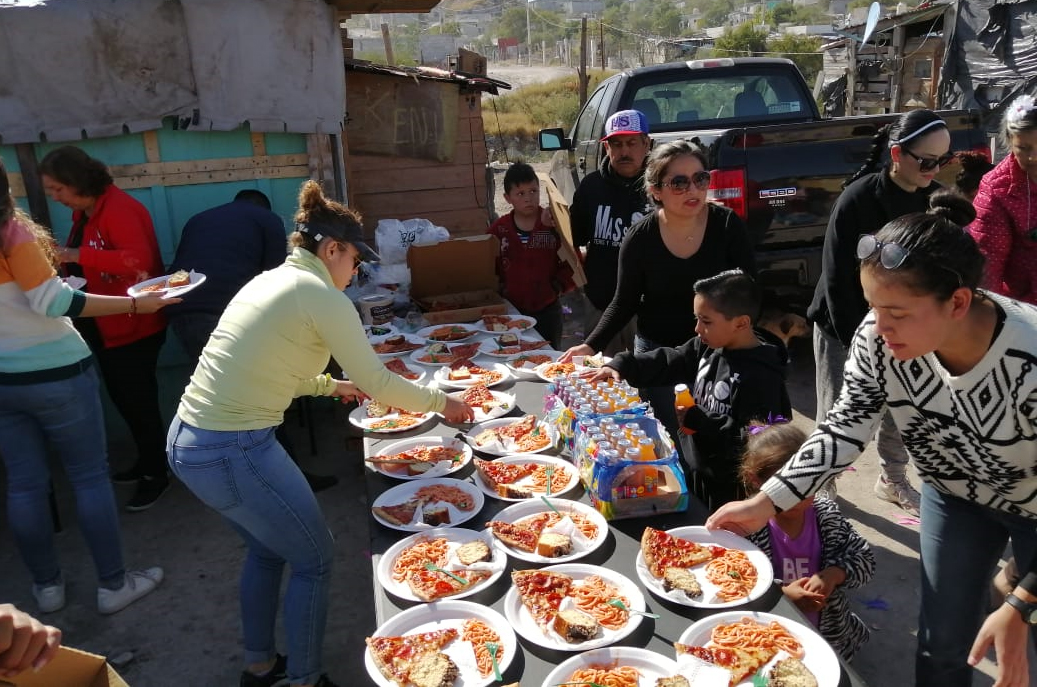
(526, 321)
(455, 536)
(529, 507)
(506, 405)
(420, 371)
(411, 339)
(498, 449)
(651, 665)
(491, 348)
(818, 655)
(729, 540)
(558, 463)
(519, 617)
(442, 376)
(402, 493)
(406, 444)
(441, 615)
(359, 418)
(426, 332)
(446, 360)
(75, 282)
(377, 331)
(528, 371)
(541, 371)
(197, 278)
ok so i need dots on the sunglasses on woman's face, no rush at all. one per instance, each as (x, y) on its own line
(928, 164)
(681, 183)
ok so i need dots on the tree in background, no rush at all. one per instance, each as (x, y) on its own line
(794, 48)
(741, 41)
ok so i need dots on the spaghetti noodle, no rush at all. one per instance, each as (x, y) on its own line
(593, 595)
(749, 634)
(448, 494)
(733, 573)
(479, 634)
(414, 557)
(559, 478)
(607, 676)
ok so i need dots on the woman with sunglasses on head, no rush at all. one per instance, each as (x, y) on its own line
(662, 256)
(954, 366)
(1006, 207)
(918, 144)
(271, 345)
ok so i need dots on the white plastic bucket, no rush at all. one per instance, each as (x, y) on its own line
(376, 308)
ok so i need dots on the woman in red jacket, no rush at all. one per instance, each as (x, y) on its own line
(112, 245)
(1006, 208)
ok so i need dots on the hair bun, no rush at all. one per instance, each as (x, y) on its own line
(952, 206)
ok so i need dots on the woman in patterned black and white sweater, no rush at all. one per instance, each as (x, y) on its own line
(955, 367)
(816, 553)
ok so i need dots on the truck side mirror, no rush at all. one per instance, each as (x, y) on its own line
(553, 139)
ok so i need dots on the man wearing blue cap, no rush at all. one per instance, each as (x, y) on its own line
(606, 204)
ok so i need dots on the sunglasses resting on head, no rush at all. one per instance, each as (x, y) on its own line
(891, 255)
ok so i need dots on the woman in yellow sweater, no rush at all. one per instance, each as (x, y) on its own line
(271, 345)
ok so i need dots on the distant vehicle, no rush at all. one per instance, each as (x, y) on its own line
(774, 160)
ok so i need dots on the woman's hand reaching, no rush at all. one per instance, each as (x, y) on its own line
(601, 374)
(346, 391)
(582, 349)
(152, 301)
(457, 410)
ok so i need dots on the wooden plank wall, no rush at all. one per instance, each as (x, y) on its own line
(449, 194)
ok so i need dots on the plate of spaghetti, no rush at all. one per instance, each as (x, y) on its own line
(615, 666)
(370, 418)
(529, 519)
(459, 629)
(524, 366)
(591, 590)
(730, 571)
(517, 478)
(424, 504)
(421, 457)
(401, 569)
(772, 634)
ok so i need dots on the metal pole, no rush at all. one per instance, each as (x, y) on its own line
(529, 41)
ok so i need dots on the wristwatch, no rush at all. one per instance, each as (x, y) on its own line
(1026, 609)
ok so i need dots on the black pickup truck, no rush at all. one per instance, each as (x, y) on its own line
(774, 159)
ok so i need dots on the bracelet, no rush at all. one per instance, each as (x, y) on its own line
(133, 306)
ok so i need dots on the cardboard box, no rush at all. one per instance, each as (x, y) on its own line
(456, 280)
(72, 668)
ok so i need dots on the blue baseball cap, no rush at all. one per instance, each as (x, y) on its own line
(626, 122)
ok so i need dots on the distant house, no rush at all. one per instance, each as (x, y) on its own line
(690, 21)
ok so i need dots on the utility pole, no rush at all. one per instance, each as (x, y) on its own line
(601, 42)
(387, 41)
(529, 40)
(584, 77)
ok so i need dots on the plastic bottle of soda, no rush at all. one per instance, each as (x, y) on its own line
(682, 396)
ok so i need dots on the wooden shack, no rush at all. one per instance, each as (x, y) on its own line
(898, 69)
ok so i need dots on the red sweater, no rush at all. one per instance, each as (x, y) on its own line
(1004, 229)
(532, 273)
(119, 249)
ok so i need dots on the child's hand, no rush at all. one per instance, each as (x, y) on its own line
(805, 600)
(827, 580)
(602, 374)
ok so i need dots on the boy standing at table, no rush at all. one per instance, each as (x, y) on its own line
(531, 273)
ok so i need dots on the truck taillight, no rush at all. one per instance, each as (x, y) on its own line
(727, 187)
(982, 150)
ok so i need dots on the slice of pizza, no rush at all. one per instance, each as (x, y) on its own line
(519, 427)
(398, 514)
(395, 656)
(464, 350)
(515, 536)
(741, 662)
(497, 474)
(429, 585)
(662, 551)
(542, 592)
(478, 396)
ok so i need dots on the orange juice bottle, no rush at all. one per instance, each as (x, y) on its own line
(645, 451)
(682, 396)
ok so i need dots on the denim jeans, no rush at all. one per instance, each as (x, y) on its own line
(67, 416)
(960, 545)
(248, 478)
(830, 357)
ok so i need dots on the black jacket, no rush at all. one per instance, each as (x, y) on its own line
(604, 208)
(731, 389)
(863, 208)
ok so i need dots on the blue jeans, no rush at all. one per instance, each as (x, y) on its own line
(67, 416)
(249, 479)
(960, 545)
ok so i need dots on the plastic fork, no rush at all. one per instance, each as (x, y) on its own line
(432, 566)
(492, 647)
(550, 471)
(618, 603)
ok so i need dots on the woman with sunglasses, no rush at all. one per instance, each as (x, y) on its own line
(662, 256)
(271, 344)
(954, 366)
(1006, 207)
(917, 143)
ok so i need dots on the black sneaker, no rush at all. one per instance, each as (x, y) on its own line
(149, 489)
(274, 676)
(131, 476)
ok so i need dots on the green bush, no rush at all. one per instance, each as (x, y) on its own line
(538, 106)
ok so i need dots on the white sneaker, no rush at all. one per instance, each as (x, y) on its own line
(900, 494)
(138, 583)
(51, 597)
